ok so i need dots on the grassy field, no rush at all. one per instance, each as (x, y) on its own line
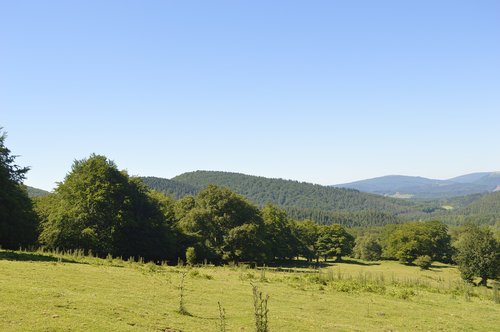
(49, 292)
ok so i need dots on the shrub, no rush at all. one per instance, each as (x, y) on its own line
(190, 256)
(424, 262)
(260, 310)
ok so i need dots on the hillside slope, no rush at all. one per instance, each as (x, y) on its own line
(42, 292)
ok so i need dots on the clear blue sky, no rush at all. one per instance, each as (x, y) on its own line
(318, 91)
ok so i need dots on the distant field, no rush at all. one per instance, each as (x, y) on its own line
(42, 292)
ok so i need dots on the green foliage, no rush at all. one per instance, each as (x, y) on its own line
(334, 240)
(223, 223)
(18, 224)
(100, 208)
(423, 262)
(409, 240)
(281, 238)
(367, 248)
(478, 254)
(307, 237)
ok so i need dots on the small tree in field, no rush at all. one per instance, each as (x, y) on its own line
(478, 254)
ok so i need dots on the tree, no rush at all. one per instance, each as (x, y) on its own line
(307, 235)
(244, 243)
(478, 254)
(102, 209)
(334, 240)
(219, 221)
(279, 233)
(367, 248)
(409, 240)
(18, 224)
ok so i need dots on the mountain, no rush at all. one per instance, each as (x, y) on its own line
(424, 188)
(35, 192)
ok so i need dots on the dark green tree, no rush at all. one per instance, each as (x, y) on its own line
(244, 243)
(18, 224)
(280, 236)
(307, 233)
(334, 241)
(102, 209)
(216, 212)
(478, 254)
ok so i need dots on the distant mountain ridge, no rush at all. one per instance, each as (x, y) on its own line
(36, 192)
(424, 188)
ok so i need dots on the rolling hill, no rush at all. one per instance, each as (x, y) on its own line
(303, 195)
(326, 204)
(301, 200)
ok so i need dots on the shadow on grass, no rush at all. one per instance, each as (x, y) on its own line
(32, 257)
(440, 266)
(296, 264)
(356, 262)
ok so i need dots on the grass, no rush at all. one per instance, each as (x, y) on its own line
(72, 292)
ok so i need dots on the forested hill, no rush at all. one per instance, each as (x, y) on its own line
(170, 187)
(484, 210)
(35, 192)
(288, 193)
(326, 204)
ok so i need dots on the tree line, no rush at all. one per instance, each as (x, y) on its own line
(102, 210)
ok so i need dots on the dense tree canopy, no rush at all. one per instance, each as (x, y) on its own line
(18, 226)
(101, 209)
(223, 224)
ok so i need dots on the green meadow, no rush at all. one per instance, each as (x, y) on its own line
(70, 292)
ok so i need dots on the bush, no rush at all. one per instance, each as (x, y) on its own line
(191, 256)
(424, 262)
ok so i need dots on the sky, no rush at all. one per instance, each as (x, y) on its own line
(318, 91)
